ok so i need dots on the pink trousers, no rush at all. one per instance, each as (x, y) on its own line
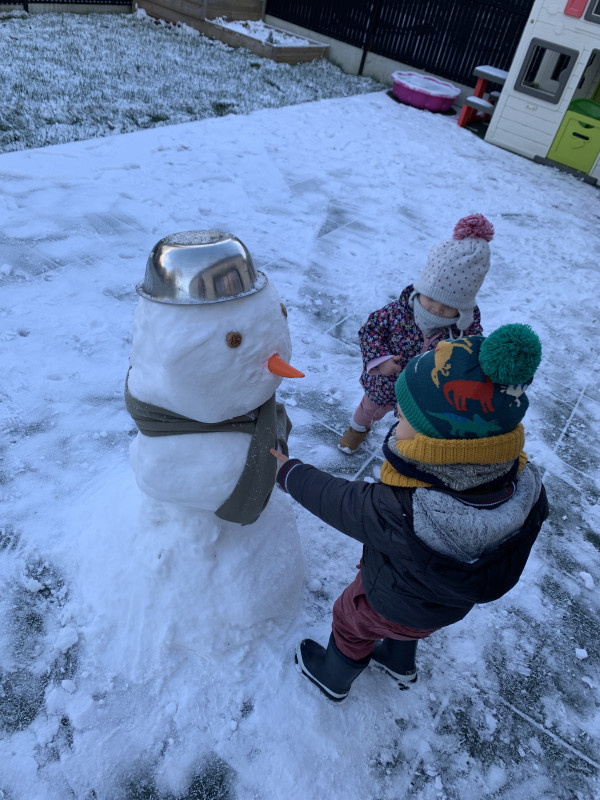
(357, 626)
(369, 412)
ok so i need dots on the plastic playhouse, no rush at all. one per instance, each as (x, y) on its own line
(549, 107)
(577, 142)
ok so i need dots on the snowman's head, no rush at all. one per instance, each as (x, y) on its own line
(210, 361)
(208, 329)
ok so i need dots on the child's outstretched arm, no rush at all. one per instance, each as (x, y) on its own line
(356, 508)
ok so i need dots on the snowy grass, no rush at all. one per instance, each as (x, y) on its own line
(68, 77)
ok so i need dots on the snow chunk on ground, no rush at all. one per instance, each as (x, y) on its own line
(587, 579)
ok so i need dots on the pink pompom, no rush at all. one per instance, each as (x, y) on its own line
(475, 225)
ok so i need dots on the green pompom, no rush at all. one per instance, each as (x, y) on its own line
(511, 354)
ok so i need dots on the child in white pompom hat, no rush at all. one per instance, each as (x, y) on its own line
(440, 305)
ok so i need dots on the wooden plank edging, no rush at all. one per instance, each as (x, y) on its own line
(190, 12)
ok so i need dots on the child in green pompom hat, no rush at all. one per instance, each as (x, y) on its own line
(472, 387)
(453, 519)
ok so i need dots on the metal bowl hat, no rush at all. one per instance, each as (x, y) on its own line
(200, 266)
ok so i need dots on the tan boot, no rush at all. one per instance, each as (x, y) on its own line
(351, 440)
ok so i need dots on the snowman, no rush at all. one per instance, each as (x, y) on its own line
(211, 345)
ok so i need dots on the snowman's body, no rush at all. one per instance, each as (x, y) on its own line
(248, 578)
(181, 361)
(174, 468)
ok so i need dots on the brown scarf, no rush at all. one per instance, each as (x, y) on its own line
(269, 426)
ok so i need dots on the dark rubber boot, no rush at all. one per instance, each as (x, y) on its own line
(329, 669)
(397, 658)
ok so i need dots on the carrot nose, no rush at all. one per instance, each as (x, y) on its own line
(278, 366)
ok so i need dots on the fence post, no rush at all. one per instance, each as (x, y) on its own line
(370, 33)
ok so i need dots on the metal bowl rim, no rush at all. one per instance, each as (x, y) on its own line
(260, 283)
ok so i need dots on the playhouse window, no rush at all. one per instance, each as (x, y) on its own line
(546, 69)
(593, 11)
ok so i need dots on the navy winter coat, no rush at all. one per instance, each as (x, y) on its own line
(405, 580)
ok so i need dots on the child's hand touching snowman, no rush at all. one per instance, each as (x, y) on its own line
(281, 458)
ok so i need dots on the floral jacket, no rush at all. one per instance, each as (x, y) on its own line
(393, 331)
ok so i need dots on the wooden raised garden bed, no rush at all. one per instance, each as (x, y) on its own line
(279, 45)
(271, 42)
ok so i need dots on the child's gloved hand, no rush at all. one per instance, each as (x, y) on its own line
(391, 366)
(281, 458)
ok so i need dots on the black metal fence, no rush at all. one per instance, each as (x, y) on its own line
(24, 4)
(445, 37)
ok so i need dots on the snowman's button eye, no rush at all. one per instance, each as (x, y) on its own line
(233, 339)
(283, 310)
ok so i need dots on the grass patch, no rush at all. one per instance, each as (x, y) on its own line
(68, 77)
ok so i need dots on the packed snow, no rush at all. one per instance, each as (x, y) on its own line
(122, 673)
(268, 34)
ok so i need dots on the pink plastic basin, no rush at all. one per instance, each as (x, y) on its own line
(423, 91)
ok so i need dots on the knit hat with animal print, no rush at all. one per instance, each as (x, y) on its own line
(456, 268)
(470, 388)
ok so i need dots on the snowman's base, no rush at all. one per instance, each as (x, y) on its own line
(164, 583)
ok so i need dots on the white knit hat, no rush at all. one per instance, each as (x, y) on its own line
(456, 268)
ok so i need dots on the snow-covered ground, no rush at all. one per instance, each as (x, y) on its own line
(338, 201)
